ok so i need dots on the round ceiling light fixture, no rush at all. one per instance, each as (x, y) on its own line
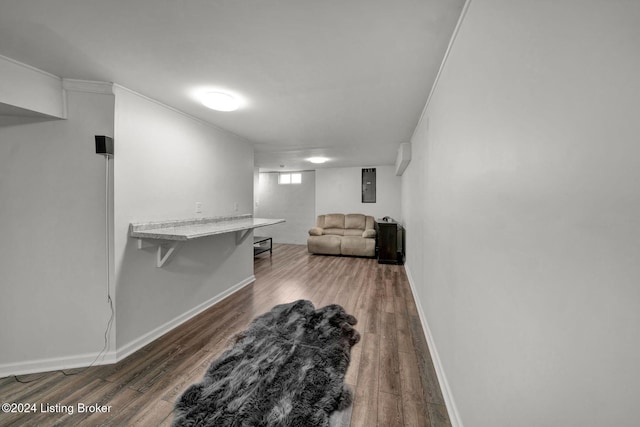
(220, 101)
(317, 159)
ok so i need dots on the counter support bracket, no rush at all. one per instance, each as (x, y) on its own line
(165, 249)
(241, 235)
(172, 248)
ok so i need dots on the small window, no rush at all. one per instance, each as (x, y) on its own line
(290, 178)
(284, 178)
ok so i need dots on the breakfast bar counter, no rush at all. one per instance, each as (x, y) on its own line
(172, 233)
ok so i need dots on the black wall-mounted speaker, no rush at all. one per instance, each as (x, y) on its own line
(104, 145)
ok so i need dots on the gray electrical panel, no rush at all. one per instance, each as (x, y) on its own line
(369, 185)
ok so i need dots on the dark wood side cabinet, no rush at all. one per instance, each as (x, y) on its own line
(390, 242)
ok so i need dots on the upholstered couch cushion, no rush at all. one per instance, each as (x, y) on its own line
(327, 244)
(359, 246)
(369, 233)
(315, 231)
(334, 221)
(339, 234)
(334, 231)
(356, 221)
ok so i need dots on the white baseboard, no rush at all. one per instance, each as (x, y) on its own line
(57, 363)
(84, 360)
(153, 335)
(454, 416)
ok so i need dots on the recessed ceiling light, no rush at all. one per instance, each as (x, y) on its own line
(220, 101)
(317, 159)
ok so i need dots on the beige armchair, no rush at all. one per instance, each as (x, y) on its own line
(340, 234)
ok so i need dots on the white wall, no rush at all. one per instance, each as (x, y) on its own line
(522, 211)
(53, 308)
(339, 190)
(293, 202)
(53, 255)
(164, 163)
(30, 89)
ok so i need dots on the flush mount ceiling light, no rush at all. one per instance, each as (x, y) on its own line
(220, 101)
(317, 159)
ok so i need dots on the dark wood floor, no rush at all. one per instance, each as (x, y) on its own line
(390, 372)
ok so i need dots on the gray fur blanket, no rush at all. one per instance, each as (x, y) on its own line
(286, 369)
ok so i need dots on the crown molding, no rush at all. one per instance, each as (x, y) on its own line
(456, 30)
(76, 85)
(29, 67)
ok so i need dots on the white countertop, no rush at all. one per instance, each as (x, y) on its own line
(188, 229)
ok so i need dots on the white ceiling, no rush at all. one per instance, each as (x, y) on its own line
(344, 79)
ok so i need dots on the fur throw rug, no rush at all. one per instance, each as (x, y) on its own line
(286, 369)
